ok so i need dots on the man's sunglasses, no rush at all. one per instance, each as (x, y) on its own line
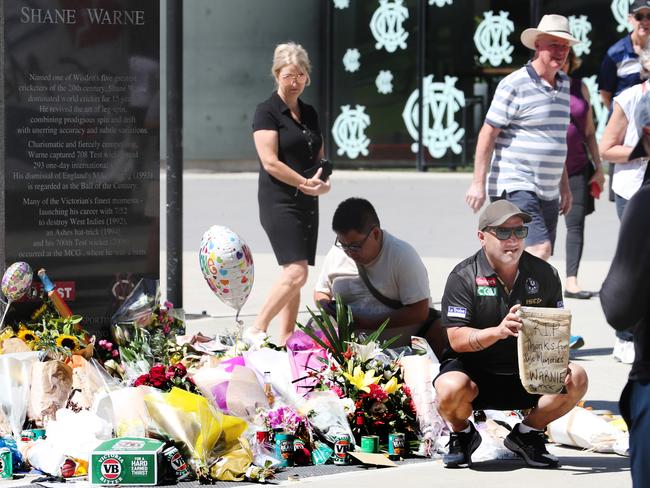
(504, 233)
(354, 248)
(639, 16)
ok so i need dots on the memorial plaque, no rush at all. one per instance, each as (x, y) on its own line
(543, 349)
(80, 156)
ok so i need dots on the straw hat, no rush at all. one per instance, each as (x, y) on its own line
(551, 24)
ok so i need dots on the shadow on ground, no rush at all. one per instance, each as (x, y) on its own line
(578, 465)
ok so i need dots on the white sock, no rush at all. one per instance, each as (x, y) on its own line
(525, 429)
(467, 429)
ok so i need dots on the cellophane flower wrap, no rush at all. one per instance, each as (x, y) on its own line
(189, 419)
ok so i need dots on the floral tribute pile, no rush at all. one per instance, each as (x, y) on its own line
(232, 412)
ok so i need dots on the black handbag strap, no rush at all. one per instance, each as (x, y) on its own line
(389, 302)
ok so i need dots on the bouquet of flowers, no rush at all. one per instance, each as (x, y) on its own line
(357, 368)
(166, 378)
(145, 330)
(59, 337)
(281, 419)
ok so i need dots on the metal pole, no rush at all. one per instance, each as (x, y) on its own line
(175, 152)
(420, 69)
(327, 73)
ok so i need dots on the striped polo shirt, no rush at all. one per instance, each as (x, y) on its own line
(530, 150)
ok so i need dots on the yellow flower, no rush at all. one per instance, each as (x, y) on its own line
(6, 333)
(67, 341)
(26, 335)
(391, 386)
(360, 379)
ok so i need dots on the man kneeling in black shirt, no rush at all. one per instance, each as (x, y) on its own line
(482, 296)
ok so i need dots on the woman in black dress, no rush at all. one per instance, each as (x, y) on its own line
(288, 141)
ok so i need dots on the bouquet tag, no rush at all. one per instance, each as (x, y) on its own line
(543, 349)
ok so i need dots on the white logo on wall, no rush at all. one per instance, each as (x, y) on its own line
(440, 131)
(600, 111)
(341, 4)
(386, 25)
(620, 9)
(491, 38)
(349, 131)
(351, 60)
(440, 3)
(580, 28)
(384, 82)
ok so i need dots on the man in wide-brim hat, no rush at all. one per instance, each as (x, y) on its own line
(523, 139)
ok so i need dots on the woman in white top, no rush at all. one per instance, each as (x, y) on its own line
(621, 135)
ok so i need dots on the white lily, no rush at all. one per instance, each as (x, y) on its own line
(365, 352)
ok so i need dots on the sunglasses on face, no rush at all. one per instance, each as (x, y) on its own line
(639, 16)
(354, 248)
(504, 233)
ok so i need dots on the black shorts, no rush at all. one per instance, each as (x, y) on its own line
(495, 391)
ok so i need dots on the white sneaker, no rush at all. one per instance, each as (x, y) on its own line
(623, 351)
(618, 349)
(627, 356)
(255, 337)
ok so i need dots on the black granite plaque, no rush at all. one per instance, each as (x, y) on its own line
(81, 146)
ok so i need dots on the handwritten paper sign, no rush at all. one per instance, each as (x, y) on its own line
(543, 349)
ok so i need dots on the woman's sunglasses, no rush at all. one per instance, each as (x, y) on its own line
(639, 16)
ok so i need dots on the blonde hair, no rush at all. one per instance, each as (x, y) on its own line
(290, 53)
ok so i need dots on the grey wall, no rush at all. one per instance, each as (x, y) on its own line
(228, 50)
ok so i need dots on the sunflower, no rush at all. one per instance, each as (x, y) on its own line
(27, 335)
(67, 341)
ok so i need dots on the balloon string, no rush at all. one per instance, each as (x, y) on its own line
(239, 331)
(2, 321)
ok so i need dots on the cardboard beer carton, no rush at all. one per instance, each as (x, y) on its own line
(127, 461)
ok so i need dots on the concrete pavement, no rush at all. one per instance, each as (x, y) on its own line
(428, 210)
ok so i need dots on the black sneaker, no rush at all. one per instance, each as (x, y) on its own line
(531, 447)
(461, 446)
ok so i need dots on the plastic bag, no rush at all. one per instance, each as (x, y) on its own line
(139, 305)
(583, 428)
(419, 372)
(305, 356)
(51, 385)
(15, 375)
(325, 412)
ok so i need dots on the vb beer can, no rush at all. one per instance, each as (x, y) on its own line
(397, 444)
(177, 462)
(341, 448)
(6, 464)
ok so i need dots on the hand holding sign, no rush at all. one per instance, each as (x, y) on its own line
(543, 349)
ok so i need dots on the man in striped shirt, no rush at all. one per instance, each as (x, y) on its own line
(523, 138)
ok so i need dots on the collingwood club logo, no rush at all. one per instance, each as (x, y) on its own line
(491, 38)
(440, 130)
(580, 27)
(341, 4)
(386, 25)
(349, 131)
